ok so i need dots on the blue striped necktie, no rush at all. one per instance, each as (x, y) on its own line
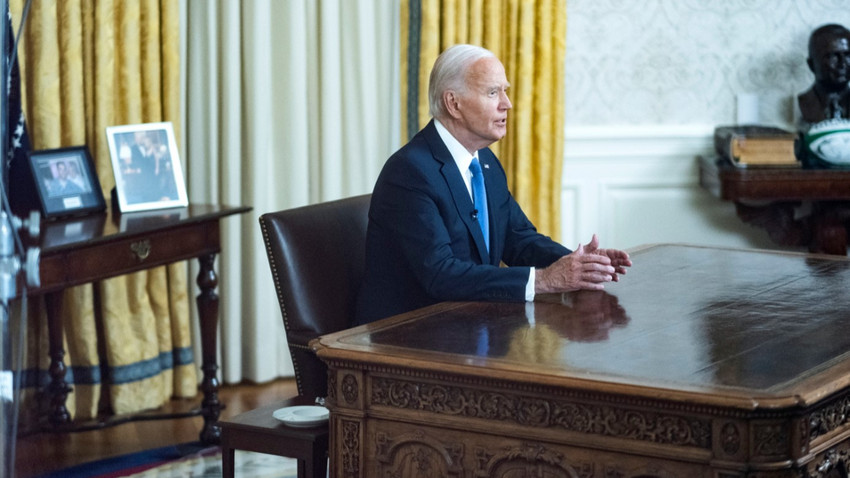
(479, 198)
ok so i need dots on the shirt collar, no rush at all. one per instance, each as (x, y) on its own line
(459, 153)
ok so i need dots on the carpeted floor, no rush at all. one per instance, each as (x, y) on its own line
(189, 460)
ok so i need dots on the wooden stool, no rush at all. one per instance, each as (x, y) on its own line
(258, 431)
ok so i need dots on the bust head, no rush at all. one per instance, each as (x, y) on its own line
(829, 60)
(829, 56)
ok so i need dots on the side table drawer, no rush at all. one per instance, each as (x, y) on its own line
(94, 262)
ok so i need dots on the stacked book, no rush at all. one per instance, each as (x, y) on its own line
(749, 146)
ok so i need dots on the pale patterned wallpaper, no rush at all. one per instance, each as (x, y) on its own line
(651, 62)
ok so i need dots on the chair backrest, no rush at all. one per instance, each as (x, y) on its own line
(316, 255)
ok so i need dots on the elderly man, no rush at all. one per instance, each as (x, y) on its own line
(829, 60)
(442, 219)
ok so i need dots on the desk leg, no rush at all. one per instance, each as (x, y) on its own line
(57, 390)
(208, 311)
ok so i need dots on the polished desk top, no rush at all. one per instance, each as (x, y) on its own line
(741, 328)
(92, 228)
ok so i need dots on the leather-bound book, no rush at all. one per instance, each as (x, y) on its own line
(756, 145)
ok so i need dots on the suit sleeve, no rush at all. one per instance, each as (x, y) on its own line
(524, 245)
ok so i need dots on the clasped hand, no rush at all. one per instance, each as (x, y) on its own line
(588, 267)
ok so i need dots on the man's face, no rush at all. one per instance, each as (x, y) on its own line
(483, 108)
(830, 62)
(61, 170)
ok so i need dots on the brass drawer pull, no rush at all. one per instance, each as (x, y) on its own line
(142, 249)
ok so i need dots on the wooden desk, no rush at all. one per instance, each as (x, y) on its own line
(700, 363)
(91, 248)
(770, 198)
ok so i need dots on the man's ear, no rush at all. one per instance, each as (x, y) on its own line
(811, 64)
(450, 101)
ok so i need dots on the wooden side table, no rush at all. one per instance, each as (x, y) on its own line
(769, 198)
(91, 248)
(258, 431)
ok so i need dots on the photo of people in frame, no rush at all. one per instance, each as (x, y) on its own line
(64, 177)
(146, 166)
(66, 181)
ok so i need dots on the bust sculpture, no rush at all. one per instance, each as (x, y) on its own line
(829, 60)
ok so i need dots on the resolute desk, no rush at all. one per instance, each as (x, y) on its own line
(700, 363)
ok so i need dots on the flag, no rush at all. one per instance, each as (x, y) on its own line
(19, 186)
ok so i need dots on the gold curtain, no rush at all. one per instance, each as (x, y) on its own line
(529, 36)
(86, 65)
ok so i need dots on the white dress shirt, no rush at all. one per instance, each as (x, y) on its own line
(463, 158)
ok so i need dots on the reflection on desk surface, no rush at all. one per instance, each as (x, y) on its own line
(66, 232)
(130, 221)
(689, 315)
(81, 229)
(71, 230)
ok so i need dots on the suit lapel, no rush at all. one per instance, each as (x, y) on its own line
(457, 187)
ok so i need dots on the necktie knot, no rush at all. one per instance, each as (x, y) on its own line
(475, 167)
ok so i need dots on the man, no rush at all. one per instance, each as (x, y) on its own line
(61, 185)
(75, 177)
(429, 241)
(829, 60)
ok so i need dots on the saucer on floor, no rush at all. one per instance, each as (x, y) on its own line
(302, 415)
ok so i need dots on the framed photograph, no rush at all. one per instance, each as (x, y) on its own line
(147, 167)
(66, 181)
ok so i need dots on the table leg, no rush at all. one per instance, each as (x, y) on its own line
(319, 466)
(208, 314)
(228, 462)
(824, 230)
(57, 390)
(830, 233)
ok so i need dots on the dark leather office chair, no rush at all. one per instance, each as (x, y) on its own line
(317, 255)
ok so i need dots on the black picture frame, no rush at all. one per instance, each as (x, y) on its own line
(66, 182)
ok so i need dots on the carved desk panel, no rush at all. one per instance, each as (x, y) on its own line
(701, 362)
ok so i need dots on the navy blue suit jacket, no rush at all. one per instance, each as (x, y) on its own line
(423, 244)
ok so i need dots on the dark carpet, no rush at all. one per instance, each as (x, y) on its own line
(185, 460)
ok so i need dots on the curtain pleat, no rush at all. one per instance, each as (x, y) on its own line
(529, 37)
(87, 65)
(287, 103)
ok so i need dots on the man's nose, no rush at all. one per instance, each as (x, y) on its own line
(506, 102)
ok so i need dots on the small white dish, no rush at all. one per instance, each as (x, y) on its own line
(303, 416)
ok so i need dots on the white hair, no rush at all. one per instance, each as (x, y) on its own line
(449, 73)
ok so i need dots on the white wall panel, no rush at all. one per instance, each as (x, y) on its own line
(570, 214)
(640, 185)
